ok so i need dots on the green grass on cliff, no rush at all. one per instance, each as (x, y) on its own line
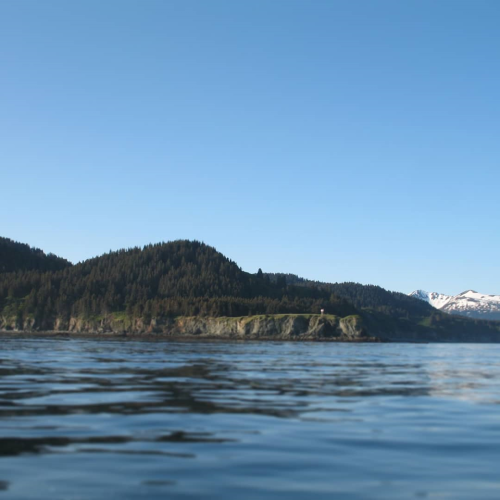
(352, 317)
(229, 319)
(117, 318)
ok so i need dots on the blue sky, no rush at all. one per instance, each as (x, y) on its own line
(338, 140)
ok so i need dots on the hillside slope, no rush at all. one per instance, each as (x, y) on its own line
(370, 297)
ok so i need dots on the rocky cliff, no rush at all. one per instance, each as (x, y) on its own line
(277, 327)
(353, 328)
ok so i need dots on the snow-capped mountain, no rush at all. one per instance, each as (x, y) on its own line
(469, 303)
(437, 300)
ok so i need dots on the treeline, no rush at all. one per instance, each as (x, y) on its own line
(16, 256)
(167, 279)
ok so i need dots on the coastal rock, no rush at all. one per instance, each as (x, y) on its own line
(278, 327)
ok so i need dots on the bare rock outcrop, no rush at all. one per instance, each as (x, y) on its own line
(277, 327)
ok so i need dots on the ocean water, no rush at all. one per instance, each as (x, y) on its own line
(106, 419)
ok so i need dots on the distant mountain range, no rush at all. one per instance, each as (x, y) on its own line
(469, 303)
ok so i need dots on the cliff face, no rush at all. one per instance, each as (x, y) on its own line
(265, 327)
(278, 327)
(285, 327)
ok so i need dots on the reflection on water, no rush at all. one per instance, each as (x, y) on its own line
(124, 419)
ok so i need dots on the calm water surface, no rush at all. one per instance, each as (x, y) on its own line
(112, 419)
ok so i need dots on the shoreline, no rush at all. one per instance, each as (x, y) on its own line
(178, 338)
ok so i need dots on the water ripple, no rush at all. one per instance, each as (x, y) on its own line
(107, 418)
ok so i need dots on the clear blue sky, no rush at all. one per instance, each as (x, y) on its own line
(338, 140)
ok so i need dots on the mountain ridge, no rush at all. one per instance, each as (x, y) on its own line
(469, 303)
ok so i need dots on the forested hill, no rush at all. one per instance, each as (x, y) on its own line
(179, 278)
(16, 256)
(364, 296)
(137, 288)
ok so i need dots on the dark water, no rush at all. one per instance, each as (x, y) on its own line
(111, 419)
